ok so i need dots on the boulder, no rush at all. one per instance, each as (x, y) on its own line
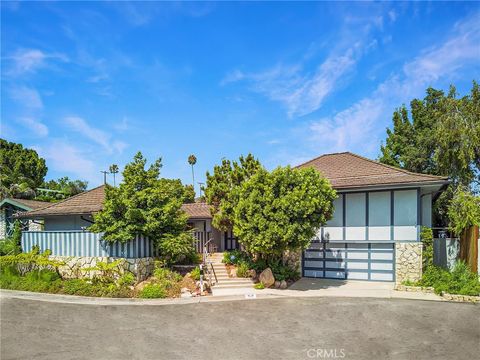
(277, 284)
(252, 274)
(266, 277)
(283, 284)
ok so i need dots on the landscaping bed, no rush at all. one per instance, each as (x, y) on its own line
(265, 273)
(36, 272)
(460, 284)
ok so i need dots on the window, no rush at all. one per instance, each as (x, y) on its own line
(355, 206)
(405, 208)
(379, 208)
(337, 219)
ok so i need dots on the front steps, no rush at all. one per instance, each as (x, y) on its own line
(227, 285)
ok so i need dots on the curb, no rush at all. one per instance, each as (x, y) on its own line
(84, 300)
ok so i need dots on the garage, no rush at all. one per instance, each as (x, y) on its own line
(350, 261)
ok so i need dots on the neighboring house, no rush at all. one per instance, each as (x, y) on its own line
(374, 234)
(73, 213)
(375, 231)
(10, 206)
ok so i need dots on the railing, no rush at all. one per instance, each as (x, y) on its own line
(202, 239)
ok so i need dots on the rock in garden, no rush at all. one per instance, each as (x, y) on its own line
(283, 284)
(186, 295)
(266, 277)
(277, 284)
(233, 272)
(252, 273)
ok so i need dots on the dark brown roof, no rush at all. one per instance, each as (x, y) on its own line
(26, 204)
(198, 210)
(87, 202)
(346, 170)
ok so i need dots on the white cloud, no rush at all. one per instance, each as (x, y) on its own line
(66, 158)
(300, 92)
(35, 125)
(29, 60)
(361, 125)
(303, 91)
(98, 136)
(232, 76)
(26, 97)
(392, 15)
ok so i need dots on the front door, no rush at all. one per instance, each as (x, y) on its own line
(231, 242)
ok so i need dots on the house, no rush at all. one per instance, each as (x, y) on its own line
(374, 234)
(11, 206)
(76, 214)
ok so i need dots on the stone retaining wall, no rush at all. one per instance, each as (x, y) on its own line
(408, 261)
(75, 266)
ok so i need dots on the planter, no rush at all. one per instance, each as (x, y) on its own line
(429, 290)
(461, 298)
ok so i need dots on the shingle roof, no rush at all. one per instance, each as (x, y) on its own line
(198, 210)
(25, 204)
(87, 202)
(347, 170)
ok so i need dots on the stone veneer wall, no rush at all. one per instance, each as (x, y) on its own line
(408, 261)
(75, 266)
(3, 224)
(34, 226)
(293, 259)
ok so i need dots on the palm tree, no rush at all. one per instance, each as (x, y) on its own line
(113, 170)
(192, 160)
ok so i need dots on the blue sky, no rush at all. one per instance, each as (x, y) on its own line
(89, 84)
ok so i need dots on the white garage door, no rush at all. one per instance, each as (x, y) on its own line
(371, 261)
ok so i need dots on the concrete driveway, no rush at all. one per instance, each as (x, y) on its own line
(286, 328)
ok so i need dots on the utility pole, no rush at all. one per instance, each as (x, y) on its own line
(200, 184)
(104, 176)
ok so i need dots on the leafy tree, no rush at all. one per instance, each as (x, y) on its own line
(113, 170)
(440, 135)
(282, 210)
(64, 186)
(192, 160)
(21, 170)
(222, 188)
(189, 194)
(143, 204)
(464, 211)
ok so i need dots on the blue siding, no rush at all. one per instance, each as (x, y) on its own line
(82, 243)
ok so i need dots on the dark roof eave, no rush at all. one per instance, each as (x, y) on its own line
(394, 185)
(27, 215)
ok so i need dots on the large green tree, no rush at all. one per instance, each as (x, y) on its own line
(439, 135)
(21, 170)
(282, 210)
(64, 186)
(143, 204)
(222, 188)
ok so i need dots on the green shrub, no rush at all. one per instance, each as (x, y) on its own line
(459, 281)
(259, 286)
(127, 279)
(233, 257)
(195, 274)
(106, 271)
(242, 269)
(166, 274)
(153, 291)
(426, 236)
(28, 261)
(9, 247)
(178, 249)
